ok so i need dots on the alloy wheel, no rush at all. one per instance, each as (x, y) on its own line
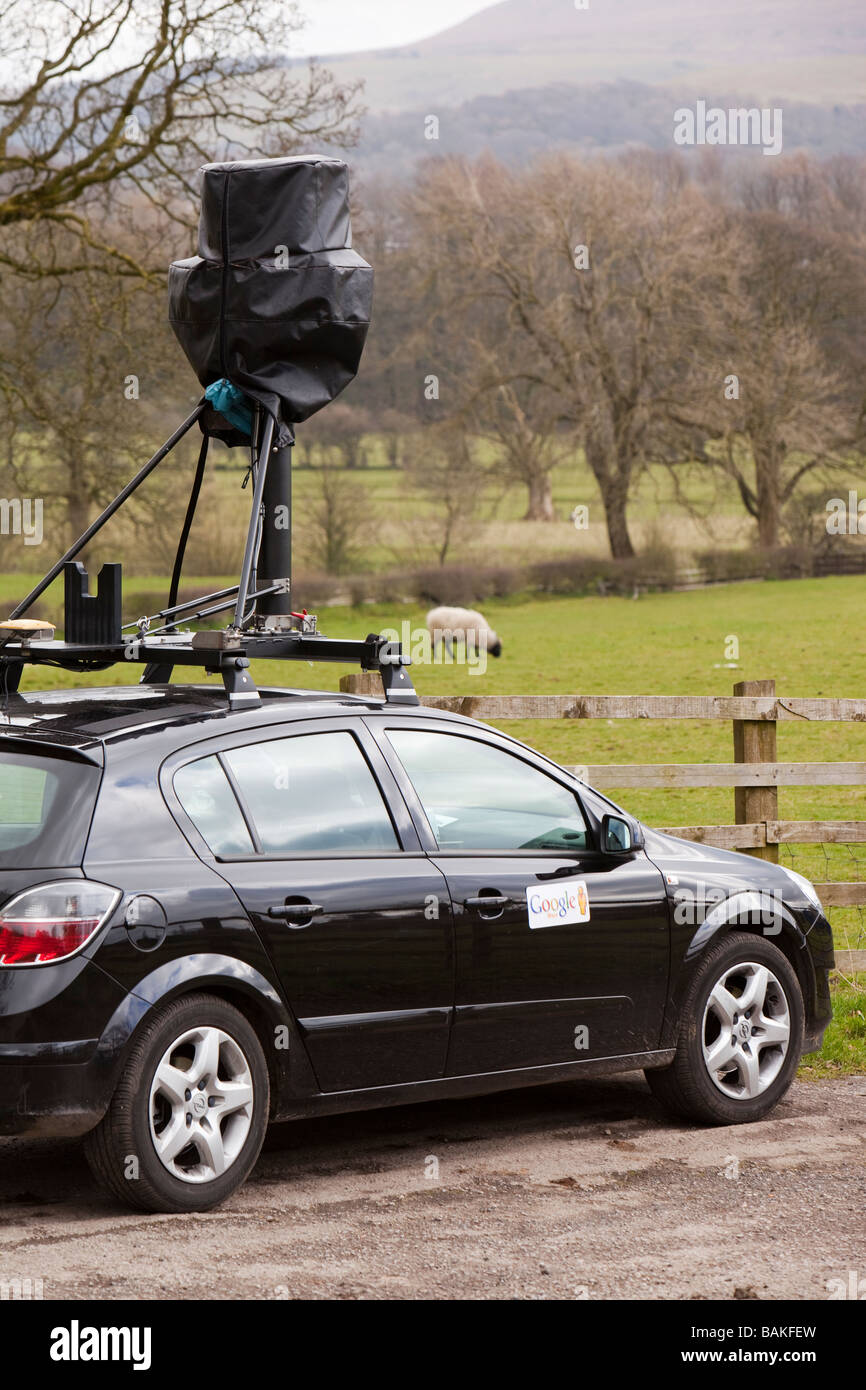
(746, 1030)
(201, 1104)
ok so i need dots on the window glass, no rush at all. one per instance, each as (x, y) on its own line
(204, 792)
(46, 805)
(479, 797)
(312, 794)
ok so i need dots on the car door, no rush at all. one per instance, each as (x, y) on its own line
(313, 835)
(562, 950)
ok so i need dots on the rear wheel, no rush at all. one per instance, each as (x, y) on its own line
(741, 1034)
(188, 1118)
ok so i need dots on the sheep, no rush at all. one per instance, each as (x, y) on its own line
(464, 625)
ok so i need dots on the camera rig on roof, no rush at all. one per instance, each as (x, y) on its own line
(273, 314)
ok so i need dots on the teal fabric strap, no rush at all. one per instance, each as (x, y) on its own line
(230, 402)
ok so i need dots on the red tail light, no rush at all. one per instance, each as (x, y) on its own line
(53, 921)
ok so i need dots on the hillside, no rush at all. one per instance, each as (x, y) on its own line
(794, 49)
(520, 125)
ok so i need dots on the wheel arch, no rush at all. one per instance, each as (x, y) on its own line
(236, 983)
(737, 914)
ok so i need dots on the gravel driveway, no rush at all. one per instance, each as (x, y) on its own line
(577, 1191)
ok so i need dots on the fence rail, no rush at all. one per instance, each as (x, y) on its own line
(675, 776)
(726, 707)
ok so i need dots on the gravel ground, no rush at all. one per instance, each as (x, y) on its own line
(578, 1191)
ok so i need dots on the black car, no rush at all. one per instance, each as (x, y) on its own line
(211, 918)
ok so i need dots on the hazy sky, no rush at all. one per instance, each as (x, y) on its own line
(338, 26)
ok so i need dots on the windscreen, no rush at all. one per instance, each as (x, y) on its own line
(46, 804)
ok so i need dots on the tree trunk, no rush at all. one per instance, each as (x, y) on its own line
(615, 499)
(613, 480)
(769, 500)
(540, 498)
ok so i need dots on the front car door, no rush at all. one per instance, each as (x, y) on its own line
(355, 916)
(562, 950)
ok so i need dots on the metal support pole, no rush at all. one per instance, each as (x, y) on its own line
(255, 515)
(108, 513)
(275, 558)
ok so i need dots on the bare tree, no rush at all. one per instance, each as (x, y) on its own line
(338, 516)
(446, 471)
(118, 102)
(586, 281)
(519, 418)
(780, 396)
(339, 433)
(85, 386)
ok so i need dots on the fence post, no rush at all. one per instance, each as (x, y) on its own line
(755, 742)
(362, 683)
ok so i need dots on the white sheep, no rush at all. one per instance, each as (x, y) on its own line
(464, 625)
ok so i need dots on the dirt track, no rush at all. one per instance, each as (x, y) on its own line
(565, 1191)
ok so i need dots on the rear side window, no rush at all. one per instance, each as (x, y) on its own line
(312, 794)
(46, 805)
(203, 791)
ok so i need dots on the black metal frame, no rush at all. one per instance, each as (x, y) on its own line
(95, 640)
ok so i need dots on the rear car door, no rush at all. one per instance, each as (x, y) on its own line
(562, 950)
(311, 832)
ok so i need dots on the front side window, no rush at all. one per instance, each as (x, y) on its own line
(478, 797)
(312, 794)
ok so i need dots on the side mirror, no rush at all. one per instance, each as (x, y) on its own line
(617, 835)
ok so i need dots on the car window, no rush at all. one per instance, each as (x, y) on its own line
(477, 797)
(46, 805)
(205, 793)
(313, 793)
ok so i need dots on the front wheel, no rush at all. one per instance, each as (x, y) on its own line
(188, 1118)
(740, 1037)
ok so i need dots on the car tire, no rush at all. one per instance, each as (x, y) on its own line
(189, 1114)
(723, 1072)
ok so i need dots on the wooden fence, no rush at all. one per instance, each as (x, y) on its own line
(754, 774)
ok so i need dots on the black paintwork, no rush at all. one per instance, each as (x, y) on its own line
(395, 990)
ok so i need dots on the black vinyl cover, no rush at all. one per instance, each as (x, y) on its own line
(276, 300)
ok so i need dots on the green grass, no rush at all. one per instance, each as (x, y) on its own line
(844, 1049)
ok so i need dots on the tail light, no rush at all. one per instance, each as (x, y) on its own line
(53, 921)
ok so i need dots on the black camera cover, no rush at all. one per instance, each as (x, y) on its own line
(276, 302)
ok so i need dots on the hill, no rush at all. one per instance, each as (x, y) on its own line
(772, 49)
(522, 124)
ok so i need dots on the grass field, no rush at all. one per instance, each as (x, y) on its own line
(844, 1049)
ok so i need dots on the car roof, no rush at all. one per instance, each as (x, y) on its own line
(97, 715)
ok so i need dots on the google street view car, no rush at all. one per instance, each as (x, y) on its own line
(223, 905)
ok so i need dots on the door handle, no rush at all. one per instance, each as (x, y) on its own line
(296, 912)
(487, 900)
